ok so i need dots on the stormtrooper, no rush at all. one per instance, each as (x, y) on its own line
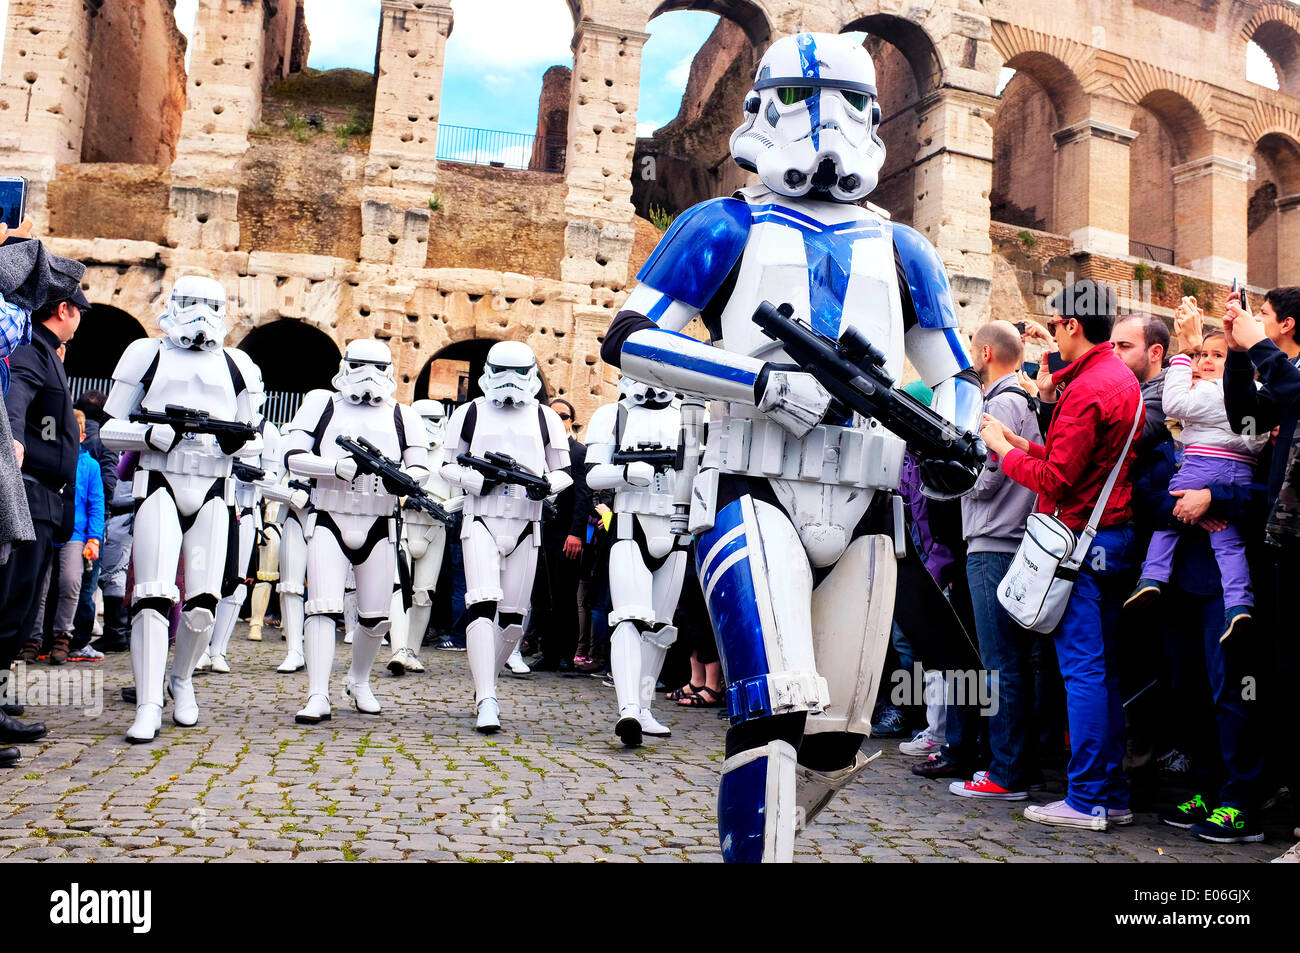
(632, 449)
(424, 538)
(247, 527)
(187, 405)
(351, 520)
(798, 528)
(501, 529)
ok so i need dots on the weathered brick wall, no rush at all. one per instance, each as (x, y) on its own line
(110, 200)
(1024, 159)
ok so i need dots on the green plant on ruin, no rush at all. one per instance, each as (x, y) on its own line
(1027, 239)
(359, 126)
(435, 203)
(1191, 286)
(661, 218)
(1160, 280)
(1141, 271)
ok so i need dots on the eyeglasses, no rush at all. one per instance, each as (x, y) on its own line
(1058, 323)
(566, 416)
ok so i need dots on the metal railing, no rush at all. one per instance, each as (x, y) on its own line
(280, 406)
(504, 150)
(1161, 256)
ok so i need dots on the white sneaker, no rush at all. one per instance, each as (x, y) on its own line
(220, 665)
(185, 711)
(397, 663)
(362, 697)
(516, 664)
(316, 710)
(922, 746)
(347, 638)
(651, 727)
(293, 662)
(1292, 856)
(489, 717)
(1060, 814)
(412, 661)
(148, 720)
(204, 663)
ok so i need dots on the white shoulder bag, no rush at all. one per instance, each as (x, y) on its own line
(1037, 587)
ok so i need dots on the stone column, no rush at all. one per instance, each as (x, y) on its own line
(223, 102)
(953, 177)
(1210, 201)
(1288, 239)
(598, 166)
(43, 92)
(401, 170)
(1092, 183)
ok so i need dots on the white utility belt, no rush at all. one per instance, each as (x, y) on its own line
(512, 504)
(868, 456)
(643, 501)
(187, 461)
(352, 503)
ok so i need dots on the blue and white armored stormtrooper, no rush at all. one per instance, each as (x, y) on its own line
(247, 516)
(425, 540)
(647, 561)
(182, 487)
(797, 527)
(501, 528)
(351, 522)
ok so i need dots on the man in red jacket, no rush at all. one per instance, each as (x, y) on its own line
(1096, 414)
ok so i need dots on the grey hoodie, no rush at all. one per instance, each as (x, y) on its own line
(993, 514)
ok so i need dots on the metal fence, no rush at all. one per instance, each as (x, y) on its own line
(505, 150)
(1161, 256)
(280, 407)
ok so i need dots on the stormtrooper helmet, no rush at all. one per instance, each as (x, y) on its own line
(434, 415)
(195, 318)
(366, 373)
(256, 390)
(812, 119)
(510, 374)
(644, 395)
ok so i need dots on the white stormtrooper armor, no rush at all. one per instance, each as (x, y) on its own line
(182, 487)
(283, 560)
(501, 529)
(248, 526)
(796, 545)
(647, 563)
(425, 539)
(351, 520)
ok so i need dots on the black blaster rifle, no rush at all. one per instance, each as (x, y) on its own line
(661, 458)
(852, 370)
(230, 434)
(371, 460)
(247, 473)
(502, 468)
(304, 485)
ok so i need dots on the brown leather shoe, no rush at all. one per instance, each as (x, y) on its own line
(29, 652)
(59, 651)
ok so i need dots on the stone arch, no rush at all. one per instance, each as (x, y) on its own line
(104, 333)
(1056, 64)
(911, 40)
(1275, 28)
(1273, 204)
(136, 90)
(294, 356)
(750, 15)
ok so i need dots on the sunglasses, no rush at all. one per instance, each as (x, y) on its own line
(566, 416)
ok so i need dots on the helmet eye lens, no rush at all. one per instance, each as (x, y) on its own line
(789, 95)
(858, 101)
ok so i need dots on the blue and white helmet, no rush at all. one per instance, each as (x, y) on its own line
(635, 392)
(510, 374)
(196, 314)
(812, 120)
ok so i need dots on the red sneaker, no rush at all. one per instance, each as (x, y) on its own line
(983, 786)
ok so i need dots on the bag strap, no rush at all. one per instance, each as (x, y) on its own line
(1090, 531)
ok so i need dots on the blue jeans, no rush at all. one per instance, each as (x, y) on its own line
(458, 614)
(1085, 648)
(83, 623)
(1017, 656)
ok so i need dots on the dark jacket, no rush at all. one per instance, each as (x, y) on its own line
(573, 506)
(105, 458)
(1276, 405)
(1090, 425)
(40, 416)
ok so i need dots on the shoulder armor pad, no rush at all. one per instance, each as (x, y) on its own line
(552, 428)
(691, 262)
(413, 428)
(136, 360)
(926, 278)
(310, 410)
(245, 364)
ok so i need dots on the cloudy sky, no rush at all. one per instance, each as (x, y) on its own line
(500, 48)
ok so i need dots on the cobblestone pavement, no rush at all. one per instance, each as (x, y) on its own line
(417, 783)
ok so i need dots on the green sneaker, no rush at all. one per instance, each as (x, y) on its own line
(1229, 825)
(1187, 814)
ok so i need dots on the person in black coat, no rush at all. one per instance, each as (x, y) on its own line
(553, 622)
